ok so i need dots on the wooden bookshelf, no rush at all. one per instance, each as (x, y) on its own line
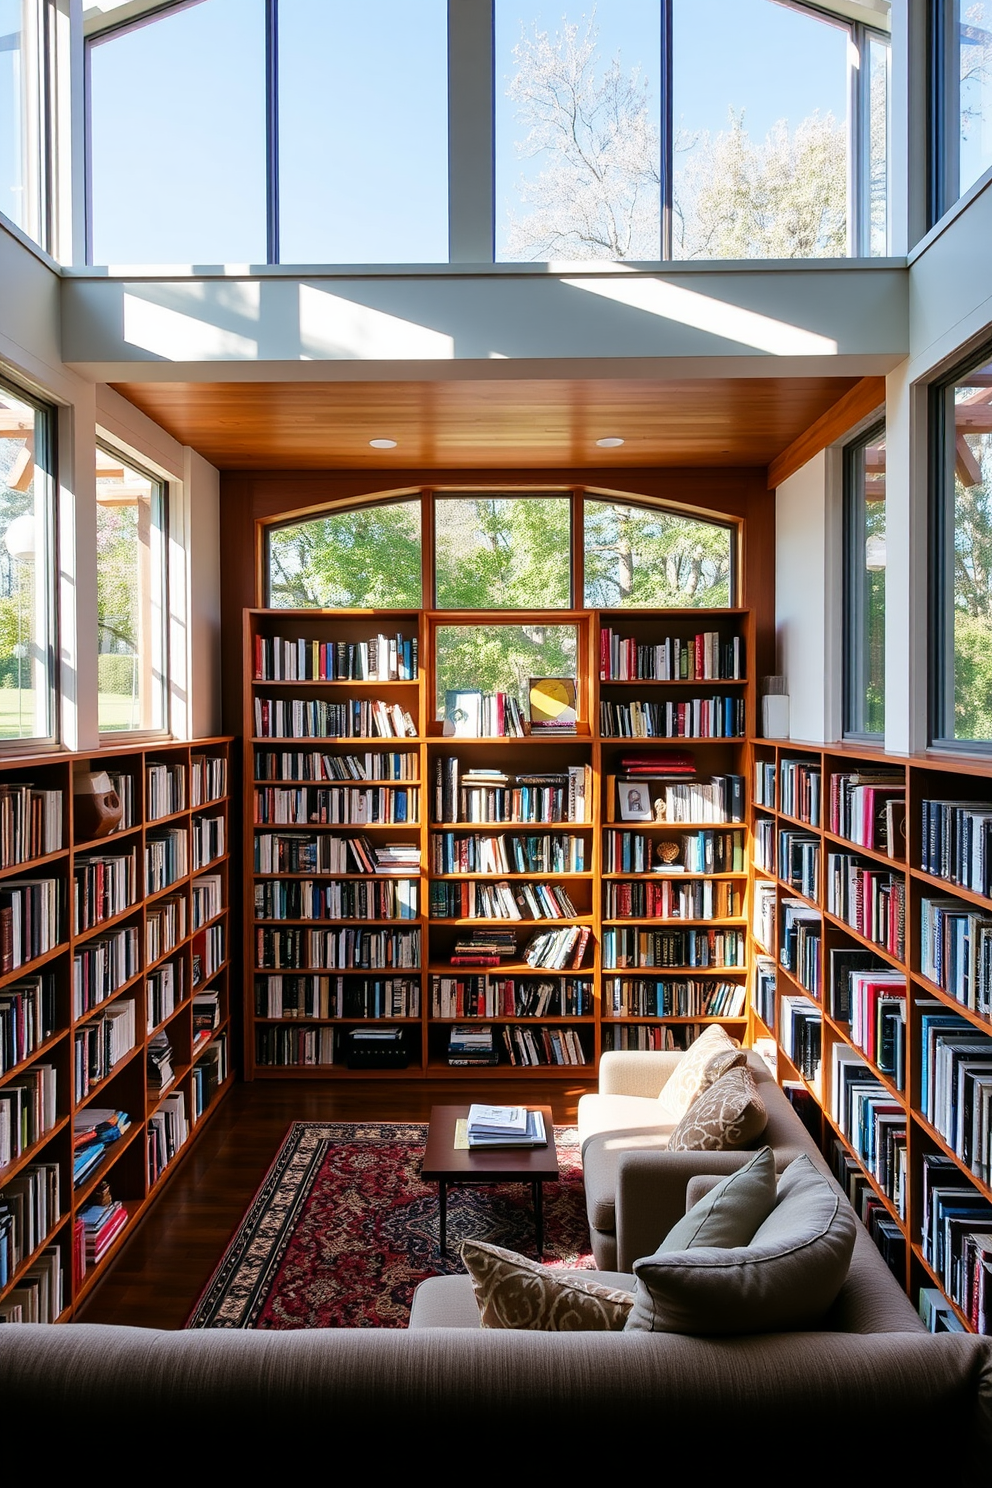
(480, 857)
(873, 910)
(92, 984)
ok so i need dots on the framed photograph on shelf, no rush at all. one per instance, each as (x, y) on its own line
(635, 800)
(463, 713)
(552, 705)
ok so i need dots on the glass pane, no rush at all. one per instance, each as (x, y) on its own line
(972, 585)
(638, 556)
(502, 658)
(760, 131)
(22, 117)
(577, 131)
(975, 61)
(365, 556)
(503, 552)
(177, 138)
(130, 593)
(26, 666)
(363, 131)
(878, 133)
(866, 607)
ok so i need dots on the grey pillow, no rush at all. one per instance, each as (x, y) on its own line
(706, 1059)
(515, 1292)
(785, 1279)
(731, 1212)
(727, 1115)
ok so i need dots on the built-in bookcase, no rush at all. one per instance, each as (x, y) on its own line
(872, 916)
(114, 998)
(534, 905)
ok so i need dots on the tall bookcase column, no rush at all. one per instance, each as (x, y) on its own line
(673, 708)
(334, 837)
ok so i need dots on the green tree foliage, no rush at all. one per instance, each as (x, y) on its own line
(972, 676)
(117, 583)
(365, 556)
(641, 556)
(503, 552)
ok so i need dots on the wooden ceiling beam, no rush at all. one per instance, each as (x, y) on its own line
(856, 404)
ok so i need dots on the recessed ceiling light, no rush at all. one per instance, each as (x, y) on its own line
(383, 443)
(609, 443)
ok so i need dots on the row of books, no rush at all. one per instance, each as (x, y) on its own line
(510, 997)
(166, 858)
(695, 718)
(703, 851)
(334, 899)
(799, 861)
(686, 899)
(801, 935)
(321, 852)
(310, 1044)
(542, 1046)
(873, 1122)
(627, 948)
(208, 778)
(869, 808)
(27, 1110)
(717, 799)
(764, 783)
(167, 1130)
(703, 656)
(207, 953)
(546, 852)
(296, 764)
(165, 790)
(886, 1232)
(869, 899)
(956, 1237)
(94, 1131)
(801, 1034)
(380, 658)
(763, 990)
(491, 795)
(27, 1018)
(956, 951)
(208, 840)
(313, 718)
(498, 899)
(30, 1208)
(30, 823)
(684, 997)
(165, 926)
(799, 790)
(343, 949)
(558, 950)
(471, 714)
(163, 992)
(651, 1036)
(956, 1084)
(30, 923)
(104, 885)
(38, 1296)
(206, 898)
(763, 844)
(101, 1044)
(159, 1066)
(956, 842)
(763, 905)
(336, 997)
(337, 805)
(209, 1073)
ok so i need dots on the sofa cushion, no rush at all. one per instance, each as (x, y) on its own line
(728, 1114)
(706, 1059)
(785, 1279)
(729, 1214)
(515, 1292)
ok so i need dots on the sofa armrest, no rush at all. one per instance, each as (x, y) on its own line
(651, 1195)
(636, 1071)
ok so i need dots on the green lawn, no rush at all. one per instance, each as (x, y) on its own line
(17, 713)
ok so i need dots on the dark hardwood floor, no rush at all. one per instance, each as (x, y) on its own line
(158, 1275)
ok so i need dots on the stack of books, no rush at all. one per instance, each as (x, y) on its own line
(102, 1223)
(160, 1071)
(94, 1130)
(469, 1044)
(505, 1126)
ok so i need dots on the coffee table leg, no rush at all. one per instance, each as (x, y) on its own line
(539, 1217)
(442, 1195)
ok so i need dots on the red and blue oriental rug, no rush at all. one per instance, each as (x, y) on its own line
(343, 1228)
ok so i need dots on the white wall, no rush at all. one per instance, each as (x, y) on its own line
(806, 588)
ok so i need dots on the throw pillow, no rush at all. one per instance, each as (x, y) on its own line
(784, 1280)
(727, 1115)
(514, 1292)
(731, 1212)
(711, 1055)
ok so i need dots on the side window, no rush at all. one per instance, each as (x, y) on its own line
(27, 566)
(961, 566)
(864, 586)
(131, 597)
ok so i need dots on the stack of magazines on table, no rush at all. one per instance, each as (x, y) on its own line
(505, 1126)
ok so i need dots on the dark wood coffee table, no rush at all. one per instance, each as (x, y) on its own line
(443, 1164)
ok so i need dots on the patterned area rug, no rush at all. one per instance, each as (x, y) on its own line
(343, 1228)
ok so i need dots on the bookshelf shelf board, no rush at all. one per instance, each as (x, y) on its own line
(28, 968)
(844, 844)
(731, 921)
(846, 928)
(181, 812)
(870, 1178)
(37, 1056)
(25, 1265)
(30, 865)
(100, 927)
(979, 1184)
(103, 844)
(653, 875)
(970, 1015)
(951, 890)
(621, 1019)
(438, 1069)
(32, 1153)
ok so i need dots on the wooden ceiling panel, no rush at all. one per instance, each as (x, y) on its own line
(535, 423)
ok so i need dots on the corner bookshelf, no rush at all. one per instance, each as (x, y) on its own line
(869, 979)
(104, 968)
(514, 836)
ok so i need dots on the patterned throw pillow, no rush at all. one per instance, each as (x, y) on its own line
(710, 1056)
(729, 1114)
(514, 1292)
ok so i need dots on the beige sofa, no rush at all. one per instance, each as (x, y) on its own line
(635, 1188)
